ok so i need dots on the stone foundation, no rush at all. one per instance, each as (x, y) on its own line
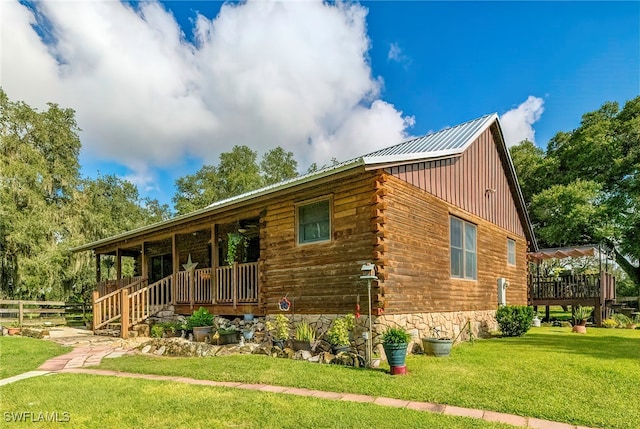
(449, 324)
(419, 325)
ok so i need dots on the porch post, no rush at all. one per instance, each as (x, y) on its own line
(98, 273)
(214, 263)
(124, 313)
(176, 260)
(97, 316)
(145, 266)
(119, 266)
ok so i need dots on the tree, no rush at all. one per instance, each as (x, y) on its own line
(39, 170)
(586, 188)
(46, 207)
(278, 165)
(236, 173)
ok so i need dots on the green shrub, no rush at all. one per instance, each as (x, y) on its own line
(304, 332)
(201, 317)
(582, 313)
(338, 334)
(514, 320)
(157, 331)
(279, 328)
(621, 320)
(609, 323)
(396, 336)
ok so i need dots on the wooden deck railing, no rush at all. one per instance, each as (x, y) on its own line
(237, 283)
(148, 300)
(108, 286)
(131, 303)
(576, 286)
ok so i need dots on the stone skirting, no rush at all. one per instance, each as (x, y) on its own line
(449, 324)
(419, 325)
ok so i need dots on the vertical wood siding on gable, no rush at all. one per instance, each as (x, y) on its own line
(463, 181)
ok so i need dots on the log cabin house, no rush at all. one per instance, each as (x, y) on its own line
(441, 216)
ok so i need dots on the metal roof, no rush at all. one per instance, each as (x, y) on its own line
(447, 142)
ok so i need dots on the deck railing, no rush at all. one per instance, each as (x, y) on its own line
(573, 286)
(237, 283)
(131, 304)
(148, 300)
(107, 286)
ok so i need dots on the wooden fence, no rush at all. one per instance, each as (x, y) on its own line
(25, 313)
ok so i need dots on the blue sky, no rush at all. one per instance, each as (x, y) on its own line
(161, 88)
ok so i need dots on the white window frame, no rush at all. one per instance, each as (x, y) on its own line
(466, 253)
(301, 204)
(511, 251)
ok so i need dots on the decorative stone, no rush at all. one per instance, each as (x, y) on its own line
(146, 349)
(161, 350)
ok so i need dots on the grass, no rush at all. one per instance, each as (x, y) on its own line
(549, 373)
(99, 402)
(22, 354)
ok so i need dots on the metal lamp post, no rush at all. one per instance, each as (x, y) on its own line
(368, 274)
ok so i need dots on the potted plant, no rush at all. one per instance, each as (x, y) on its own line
(438, 344)
(304, 336)
(279, 330)
(228, 335)
(14, 329)
(237, 245)
(201, 322)
(580, 317)
(395, 342)
(338, 333)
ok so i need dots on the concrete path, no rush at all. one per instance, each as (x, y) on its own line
(92, 354)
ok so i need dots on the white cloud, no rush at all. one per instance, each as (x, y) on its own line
(517, 123)
(261, 74)
(395, 53)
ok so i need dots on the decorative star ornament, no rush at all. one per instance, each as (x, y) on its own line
(190, 266)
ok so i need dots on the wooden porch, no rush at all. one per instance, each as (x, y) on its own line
(595, 290)
(226, 290)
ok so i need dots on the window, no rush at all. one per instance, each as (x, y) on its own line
(511, 251)
(463, 249)
(314, 222)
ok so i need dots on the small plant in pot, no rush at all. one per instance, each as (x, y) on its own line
(439, 344)
(228, 335)
(395, 342)
(580, 317)
(201, 322)
(279, 330)
(338, 333)
(305, 335)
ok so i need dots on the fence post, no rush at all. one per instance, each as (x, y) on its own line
(20, 312)
(124, 314)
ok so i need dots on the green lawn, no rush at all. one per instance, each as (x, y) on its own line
(22, 354)
(110, 402)
(550, 373)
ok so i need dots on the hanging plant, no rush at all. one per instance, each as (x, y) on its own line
(236, 242)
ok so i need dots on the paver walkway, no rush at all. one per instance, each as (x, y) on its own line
(92, 355)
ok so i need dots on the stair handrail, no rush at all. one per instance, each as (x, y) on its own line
(140, 305)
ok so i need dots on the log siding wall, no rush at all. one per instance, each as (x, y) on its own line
(468, 182)
(417, 269)
(320, 277)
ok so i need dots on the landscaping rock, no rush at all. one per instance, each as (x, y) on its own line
(146, 349)
(302, 355)
(161, 350)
